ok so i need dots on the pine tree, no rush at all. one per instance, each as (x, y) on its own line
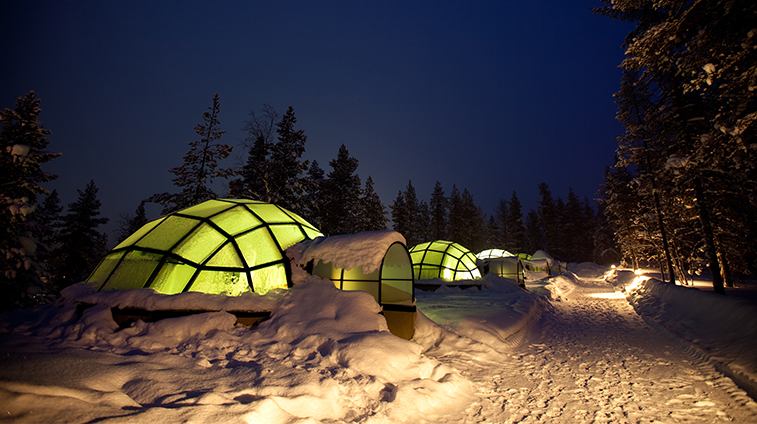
(200, 165)
(47, 225)
(373, 216)
(22, 153)
(412, 208)
(81, 245)
(341, 196)
(400, 217)
(548, 219)
(534, 234)
(696, 59)
(516, 231)
(255, 182)
(501, 218)
(438, 213)
(288, 180)
(456, 218)
(313, 201)
(131, 223)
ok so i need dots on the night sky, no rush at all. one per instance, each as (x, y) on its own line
(493, 96)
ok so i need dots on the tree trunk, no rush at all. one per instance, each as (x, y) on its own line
(709, 238)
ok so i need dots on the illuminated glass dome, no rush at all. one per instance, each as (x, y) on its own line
(443, 259)
(493, 253)
(219, 246)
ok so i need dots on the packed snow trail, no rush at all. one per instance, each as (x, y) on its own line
(594, 360)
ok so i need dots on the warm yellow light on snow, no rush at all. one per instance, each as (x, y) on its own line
(637, 271)
(615, 295)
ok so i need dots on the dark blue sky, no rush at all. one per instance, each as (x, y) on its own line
(493, 96)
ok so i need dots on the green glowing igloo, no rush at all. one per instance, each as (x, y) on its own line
(443, 259)
(219, 246)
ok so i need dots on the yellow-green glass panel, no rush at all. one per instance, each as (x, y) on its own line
(417, 256)
(357, 274)
(170, 231)
(269, 278)
(236, 220)
(371, 287)
(227, 256)
(271, 213)
(326, 270)
(454, 251)
(172, 277)
(312, 233)
(427, 273)
(232, 283)
(203, 241)
(139, 233)
(258, 247)
(287, 235)
(434, 257)
(397, 292)
(105, 267)
(205, 209)
(133, 272)
(397, 263)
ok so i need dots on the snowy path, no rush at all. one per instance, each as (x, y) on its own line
(594, 360)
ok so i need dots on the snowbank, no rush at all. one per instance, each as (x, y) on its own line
(324, 355)
(490, 315)
(721, 329)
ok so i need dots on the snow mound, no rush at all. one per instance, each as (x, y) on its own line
(723, 328)
(365, 250)
(324, 355)
(490, 315)
(588, 270)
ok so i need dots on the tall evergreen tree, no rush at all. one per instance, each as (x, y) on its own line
(129, 224)
(401, 221)
(289, 180)
(23, 141)
(255, 182)
(47, 226)
(516, 231)
(456, 218)
(200, 165)
(499, 224)
(342, 195)
(313, 201)
(534, 233)
(81, 245)
(438, 213)
(373, 212)
(696, 58)
(548, 219)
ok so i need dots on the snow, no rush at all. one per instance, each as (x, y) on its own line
(588, 345)
(365, 250)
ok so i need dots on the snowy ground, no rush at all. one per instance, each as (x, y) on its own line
(571, 350)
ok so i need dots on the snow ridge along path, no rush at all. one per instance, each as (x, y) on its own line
(589, 358)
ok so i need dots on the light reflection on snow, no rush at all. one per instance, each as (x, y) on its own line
(615, 295)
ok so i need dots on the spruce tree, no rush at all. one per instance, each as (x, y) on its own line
(129, 224)
(81, 245)
(255, 182)
(47, 226)
(200, 165)
(438, 213)
(548, 219)
(400, 218)
(501, 218)
(373, 215)
(456, 223)
(516, 231)
(23, 141)
(288, 179)
(341, 196)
